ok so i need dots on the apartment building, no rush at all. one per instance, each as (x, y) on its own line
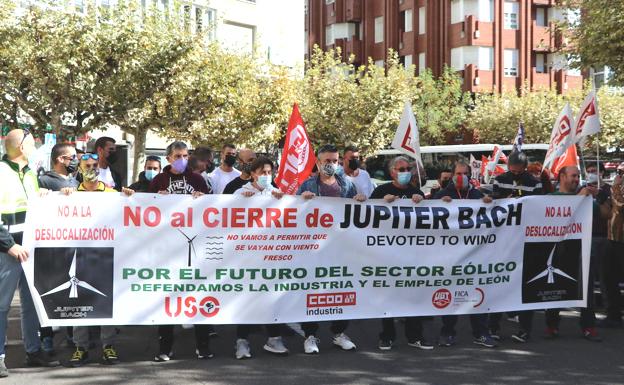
(494, 45)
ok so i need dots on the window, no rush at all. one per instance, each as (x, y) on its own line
(329, 35)
(481, 57)
(199, 20)
(329, 1)
(540, 63)
(79, 4)
(407, 20)
(422, 14)
(540, 17)
(511, 15)
(187, 18)
(511, 62)
(421, 63)
(379, 29)
(211, 18)
(379, 63)
(407, 61)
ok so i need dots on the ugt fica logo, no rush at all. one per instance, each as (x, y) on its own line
(441, 298)
(552, 271)
(75, 282)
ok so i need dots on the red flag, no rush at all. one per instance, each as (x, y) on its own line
(297, 157)
(569, 158)
(484, 162)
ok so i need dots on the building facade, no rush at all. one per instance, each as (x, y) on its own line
(494, 45)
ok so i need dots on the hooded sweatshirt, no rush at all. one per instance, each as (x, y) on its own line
(54, 181)
(185, 183)
(142, 185)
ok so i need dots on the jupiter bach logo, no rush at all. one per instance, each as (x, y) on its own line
(552, 271)
(75, 282)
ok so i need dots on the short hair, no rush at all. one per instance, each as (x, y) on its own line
(396, 160)
(202, 153)
(444, 170)
(58, 150)
(518, 158)
(228, 145)
(193, 162)
(601, 166)
(177, 145)
(261, 162)
(461, 163)
(101, 142)
(351, 149)
(564, 171)
(153, 158)
(326, 148)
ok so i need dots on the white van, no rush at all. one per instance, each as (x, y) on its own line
(438, 158)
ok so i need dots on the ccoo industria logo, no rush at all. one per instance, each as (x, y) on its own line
(75, 282)
(552, 271)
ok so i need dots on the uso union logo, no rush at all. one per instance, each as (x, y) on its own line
(441, 298)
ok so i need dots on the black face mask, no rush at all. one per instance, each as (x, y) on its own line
(112, 157)
(230, 160)
(246, 168)
(445, 183)
(354, 164)
(72, 166)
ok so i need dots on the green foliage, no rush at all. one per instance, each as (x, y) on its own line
(597, 37)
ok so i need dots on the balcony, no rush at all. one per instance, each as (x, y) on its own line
(542, 80)
(476, 80)
(544, 2)
(350, 47)
(353, 10)
(472, 32)
(543, 38)
(406, 42)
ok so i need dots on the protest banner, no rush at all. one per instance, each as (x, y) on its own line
(108, 259)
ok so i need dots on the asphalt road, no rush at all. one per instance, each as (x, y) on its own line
(568, 360)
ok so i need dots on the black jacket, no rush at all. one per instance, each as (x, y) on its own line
(142, 185)
(508, 185)
(6, 240)
(452, 192)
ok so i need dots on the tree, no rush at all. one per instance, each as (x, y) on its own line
(596, 38)
(344, 105)
(495, 118)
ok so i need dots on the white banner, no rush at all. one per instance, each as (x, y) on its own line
(107, 259)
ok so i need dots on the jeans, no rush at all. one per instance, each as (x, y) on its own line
(273, 330)
(413, 329)
(81, 336)
(479, 323)
(337, 327)
(525, 318)
(165, 337)
(12, 277)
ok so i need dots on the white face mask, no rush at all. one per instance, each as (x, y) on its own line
(329, 169)
(264, 181)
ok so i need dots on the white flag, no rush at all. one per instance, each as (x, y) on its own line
(561, 137)
(588, 119)
(475, 166)
(406, 138)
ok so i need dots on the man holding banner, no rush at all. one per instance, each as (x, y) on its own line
(328, 184)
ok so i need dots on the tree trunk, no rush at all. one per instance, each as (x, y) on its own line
(140, 138)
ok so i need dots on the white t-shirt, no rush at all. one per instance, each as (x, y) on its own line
(363, 183)
(106, 176)
(220, 179)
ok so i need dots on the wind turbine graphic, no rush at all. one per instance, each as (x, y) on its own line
(73, 283)
(190, 246)
(551, 270)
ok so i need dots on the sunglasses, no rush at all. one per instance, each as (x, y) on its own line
(87, 156)
(403, 169)
(26, 133)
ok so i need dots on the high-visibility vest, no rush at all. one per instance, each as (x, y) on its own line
(16, 187)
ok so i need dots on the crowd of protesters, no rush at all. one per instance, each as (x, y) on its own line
(242, 173)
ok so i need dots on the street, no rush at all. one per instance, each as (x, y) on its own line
(568, 360)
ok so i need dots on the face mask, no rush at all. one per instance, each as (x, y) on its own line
(461, 182)
(404, 177)
(90, 175)
(246, 168)
(229, 160)
(340, 170)
(150, 174)
(264, 181)
(210, 168)
(112, 157)
(592, 179)
(354, 164)
(72, 166)
(329, 169)
(180, 165)
(445, 183)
